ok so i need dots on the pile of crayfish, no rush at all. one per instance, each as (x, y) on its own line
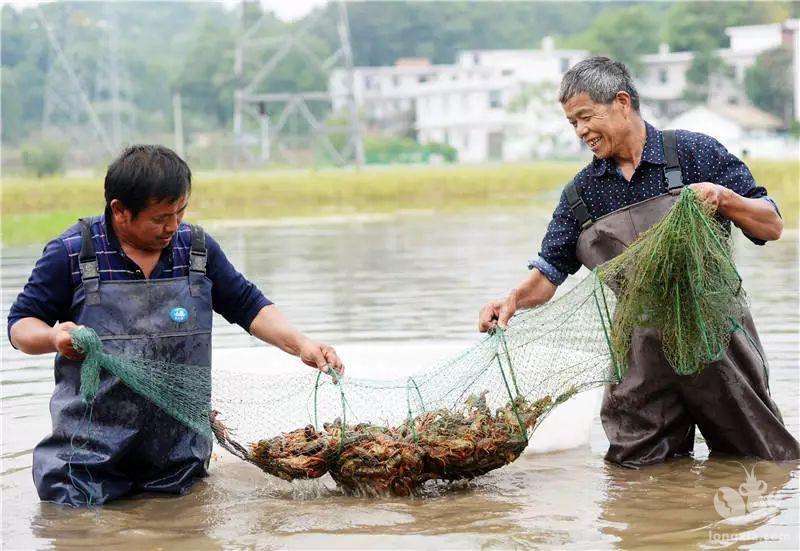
(378, 460)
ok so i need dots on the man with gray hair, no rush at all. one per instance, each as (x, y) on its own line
(630, 183)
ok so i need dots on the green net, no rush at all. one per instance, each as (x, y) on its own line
(475, 411)
(457, 419)
(180, 390)
(678, 277)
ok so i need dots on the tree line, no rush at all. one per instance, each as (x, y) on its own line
(189, 47)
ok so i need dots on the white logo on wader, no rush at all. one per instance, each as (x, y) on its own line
(750, 497)
(179, 314)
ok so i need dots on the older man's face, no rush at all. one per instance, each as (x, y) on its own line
(601, 127)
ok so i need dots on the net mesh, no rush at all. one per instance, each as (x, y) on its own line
(457, 419)
(678, 277)
(473, 412)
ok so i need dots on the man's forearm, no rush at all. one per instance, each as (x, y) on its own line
(271, 326)
(755, 217)
(534, 290)
(32, 336)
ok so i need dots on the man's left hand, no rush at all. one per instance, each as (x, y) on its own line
(320, 356)
(713, 195)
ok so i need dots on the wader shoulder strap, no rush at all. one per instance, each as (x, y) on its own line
(87, 263)
(672, 170)
(577, 206)
(197, 259)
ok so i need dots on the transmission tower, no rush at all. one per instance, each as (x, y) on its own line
(273, 125)
(85, 99)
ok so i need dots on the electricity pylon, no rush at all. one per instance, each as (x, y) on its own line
(85, 99)
(279, 124)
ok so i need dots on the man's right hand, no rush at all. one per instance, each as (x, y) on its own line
(532, 291)
(62, 341)
(497, 313)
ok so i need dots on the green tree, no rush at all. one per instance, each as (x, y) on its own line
(382, 32)
(692, 26)
(768, 83)
(188, 46)
(206, 80)
(24, 62)
(623, 34)
(44, 158)
(705, 64)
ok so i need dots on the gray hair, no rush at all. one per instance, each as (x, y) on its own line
(601, 78)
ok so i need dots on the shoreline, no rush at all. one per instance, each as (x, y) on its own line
(36, 210)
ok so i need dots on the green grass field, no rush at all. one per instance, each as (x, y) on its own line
(35, 210)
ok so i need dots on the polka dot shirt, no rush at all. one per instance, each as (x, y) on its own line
(605, 190)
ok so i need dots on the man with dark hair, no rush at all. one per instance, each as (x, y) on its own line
(633, 179)
(148, 284)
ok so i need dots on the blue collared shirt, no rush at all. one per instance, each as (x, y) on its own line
(55, 277)
(604, 190)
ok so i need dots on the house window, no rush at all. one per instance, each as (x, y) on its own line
(395, 80)
(663, 76)
(476, 58)
(422, 78)
(507, 72)
(494, 99)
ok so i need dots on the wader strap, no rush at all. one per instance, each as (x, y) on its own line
(577, 206)
(197, 259)
(672, 170)
(87, 262)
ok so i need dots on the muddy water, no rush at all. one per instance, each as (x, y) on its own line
(405, 279)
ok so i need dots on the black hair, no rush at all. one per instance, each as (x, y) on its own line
(145, 173)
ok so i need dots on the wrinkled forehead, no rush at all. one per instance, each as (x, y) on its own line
(579, 104)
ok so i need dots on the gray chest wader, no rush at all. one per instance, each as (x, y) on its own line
(651, 415)
(124, 443)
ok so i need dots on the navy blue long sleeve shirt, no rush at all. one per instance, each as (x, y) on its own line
(49, 291)
(604, 190)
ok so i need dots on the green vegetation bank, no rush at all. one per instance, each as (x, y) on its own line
(35, 210)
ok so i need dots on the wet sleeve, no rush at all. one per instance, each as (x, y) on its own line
(714, 163)
(232, 295)
(557, 258)
(48, 293)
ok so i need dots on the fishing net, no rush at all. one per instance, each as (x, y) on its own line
(457, 419)
(471, 413)
(678, 277)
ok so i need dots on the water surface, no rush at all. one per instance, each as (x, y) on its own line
(412, 279)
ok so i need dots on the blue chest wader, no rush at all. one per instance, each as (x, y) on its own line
(651, 415)
(123, 443)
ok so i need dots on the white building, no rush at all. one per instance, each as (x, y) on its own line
(386, 95)
(468, 104)
(501, 104)
(664, 83)
(742, 129)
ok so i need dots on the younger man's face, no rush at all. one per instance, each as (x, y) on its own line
(155, 225)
